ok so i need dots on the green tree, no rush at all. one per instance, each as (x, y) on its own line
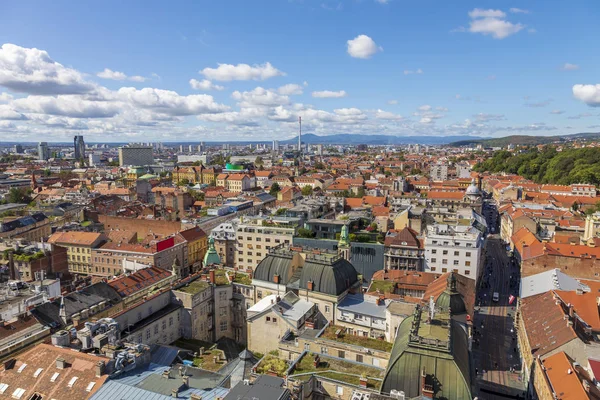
(305, 233)
(281, 211)
(307, 190)
(259, 161)
(19, 195)
(274, 189)
(183, 182)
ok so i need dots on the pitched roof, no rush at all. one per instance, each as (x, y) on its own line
(435, 194)
(193, 234)
(75, 238)
(404, 237)
(563, 377)
(544, 323)
(584, 304)
(127, 285)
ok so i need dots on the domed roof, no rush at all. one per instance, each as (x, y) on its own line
(211, 257)
(450, 299)
(274, 264)
(473, 190)
(329, 278)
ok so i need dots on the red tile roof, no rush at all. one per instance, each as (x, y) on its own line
(130, 284)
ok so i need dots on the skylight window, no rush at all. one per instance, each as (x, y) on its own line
(90, 386)
(3, 387)
(72, 381)
(21, 368)
(54, 377)
(38, 372)
(18, 393)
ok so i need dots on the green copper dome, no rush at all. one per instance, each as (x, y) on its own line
(211, 257)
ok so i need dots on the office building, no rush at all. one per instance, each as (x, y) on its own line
(43, 151)
(275, 145)
(439, 172)
(135, 155)
(17, 148)
(79, 145)
(190, 149)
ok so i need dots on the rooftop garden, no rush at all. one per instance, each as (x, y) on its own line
(376, 344)
(221, 277)
(243, 279)
(333, 368)
(211, 359)
(194, 287)
(272, 364)
(383, 286)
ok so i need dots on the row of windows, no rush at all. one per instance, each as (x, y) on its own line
(456, 262)
(448, 243)
(456, 253)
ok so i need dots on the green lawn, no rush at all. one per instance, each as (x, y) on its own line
(383, 286)
(243, 279)
(194, 287)
(207, 360)
(356, 340)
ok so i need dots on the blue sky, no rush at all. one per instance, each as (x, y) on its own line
(124, 70)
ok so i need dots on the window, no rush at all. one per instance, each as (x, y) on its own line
(156, 329)
(445, 252)
(434, 251)
(277, 241)
(249, 253)
(268, 319)
(339, 390)
(223, 326)
(467, 263)
(147, 334)
(444, 270)
(468, 254)
(455, 262)
(170, 321)
(467, 272)
(268, 240)
(258, 239)
(274, 320)
(259, 294)
(341, 354)
(326, 309)
(359, 358)
(456, 253)
(323, 350)
(164, 325)
(433, 260)
(433, 268)
(444, 261)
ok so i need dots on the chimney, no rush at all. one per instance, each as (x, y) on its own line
(186, 380)
(276, 278)
(310, 285)
(61, 363)
(212, 276)
(174, 393)
(571, 310)
(100, 365)
(195, 396)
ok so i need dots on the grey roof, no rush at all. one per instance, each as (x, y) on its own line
(329, 278)
(265, 387)
(275, 264)
(114, 390)
(293, 307)
(22, 222)
(356, 303)
(164, 355)
(553, 279)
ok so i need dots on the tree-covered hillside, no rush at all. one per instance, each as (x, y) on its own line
(548, 166)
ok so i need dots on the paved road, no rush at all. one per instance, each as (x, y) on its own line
(495, 352)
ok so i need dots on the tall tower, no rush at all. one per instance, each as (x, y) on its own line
(79, 145)
(300, 136)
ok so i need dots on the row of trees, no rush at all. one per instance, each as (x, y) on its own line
(548, 165)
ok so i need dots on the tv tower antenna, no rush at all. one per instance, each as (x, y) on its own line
(300, 136)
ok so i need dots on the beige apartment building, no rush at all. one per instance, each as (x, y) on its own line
(79, 247)
(255, 237)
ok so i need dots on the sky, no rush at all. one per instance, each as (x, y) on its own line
(138, 71)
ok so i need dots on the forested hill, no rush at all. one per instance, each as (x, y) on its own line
(548, 166)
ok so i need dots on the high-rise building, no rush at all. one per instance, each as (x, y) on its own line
(181, 148)
(190, 149)
(135, 155)
(79, 145)
(17, 148)
(275, 145)
(43, 151)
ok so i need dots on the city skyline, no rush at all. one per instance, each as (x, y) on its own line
(206, 72)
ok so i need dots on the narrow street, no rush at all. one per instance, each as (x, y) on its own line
(495, 352)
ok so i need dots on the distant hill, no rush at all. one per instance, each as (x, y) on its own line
(377, 139)
(525, 140)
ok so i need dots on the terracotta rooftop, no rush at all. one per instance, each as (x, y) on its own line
(130, 284)
(585, 305)
(36, 372)
(545, 324)
(564, 378)
(75, 238)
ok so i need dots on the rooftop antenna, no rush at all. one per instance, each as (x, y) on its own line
(431, 308)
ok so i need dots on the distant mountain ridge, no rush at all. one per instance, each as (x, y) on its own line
(525, 140)
(345, 138)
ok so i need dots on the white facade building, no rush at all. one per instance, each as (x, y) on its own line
(453, 248)
(439, 172)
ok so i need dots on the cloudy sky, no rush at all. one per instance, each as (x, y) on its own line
(247, 69)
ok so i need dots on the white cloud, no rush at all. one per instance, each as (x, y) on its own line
(589, 94)
(110, 74)
(382, 1)
(260, 97)
(66, 105)
(497, 28)
(518, 11)
(291, 89)
(557, 112)
(569, 67)
(204, 84)
(242, 72)
(362, 46)
(410, 72)
(328, 94)
(425, 107)
(480, 13)
(29, 70)
(7, 113)
(5, 97)
(483, 117)
(387, 115)
(392, 102)
(170, 102)
(137, 78)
